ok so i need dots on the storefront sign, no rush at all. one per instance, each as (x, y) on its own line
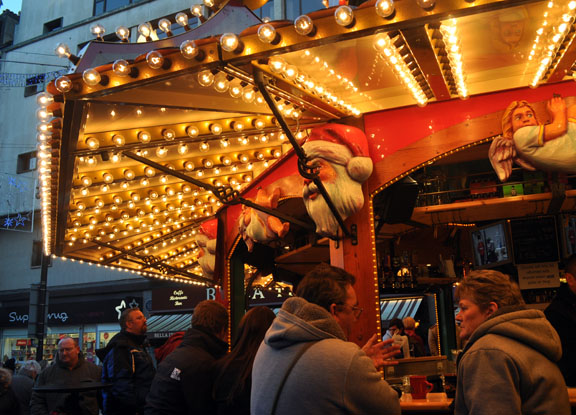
(261, 296)
(23, 342)
(89, 312)
(180, 299)
(540, 275)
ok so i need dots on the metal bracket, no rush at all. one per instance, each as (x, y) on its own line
(304, 168)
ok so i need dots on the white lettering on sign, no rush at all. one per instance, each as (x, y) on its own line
(211, 293)
(540, 275)
(257, 294)
(14, 316)
(63, 316)
(279, 291)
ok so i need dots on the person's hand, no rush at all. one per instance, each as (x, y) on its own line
(555, 106)
(381, 352)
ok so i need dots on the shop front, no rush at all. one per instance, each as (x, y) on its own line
(93, 323)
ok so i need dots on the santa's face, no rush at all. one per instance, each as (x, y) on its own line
(346, 194)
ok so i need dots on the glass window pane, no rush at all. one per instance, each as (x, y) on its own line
(266, 11)
(116, 4)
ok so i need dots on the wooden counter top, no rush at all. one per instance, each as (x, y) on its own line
(438, 403)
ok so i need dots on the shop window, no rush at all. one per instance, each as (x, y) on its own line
(35, 85)
(266, 11)
(53, 25)
(103, 6)
(299, 7)
(37, 250)
(26, 162)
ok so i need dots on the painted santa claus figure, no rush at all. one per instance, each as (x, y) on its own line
(206, 241)
(340, 154)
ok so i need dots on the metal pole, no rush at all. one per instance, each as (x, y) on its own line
(41, 311)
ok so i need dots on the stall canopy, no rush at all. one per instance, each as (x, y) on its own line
(142, 142)
(162, 326)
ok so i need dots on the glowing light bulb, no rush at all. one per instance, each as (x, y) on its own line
(266, 33)
(129, 174)
(155, 59)
(303, 25)
(145, 29)
(188, 49)
(144, 137)
(277, 64)
(192, 131)
(165, 25)
(118, 140)
(426, 4)
(149, 171)
(248, 94)
(188, 165)
(216, 128)
(93, 143)
(44, 99)
(86, 181)
(121, 67)
(204, 147)
(63, 84)
(259, 123)
(182, 149)
(97, 30)
(182, 19)
(207, 163)
(205, 78)
(229, 42)
(123, 33)
(196, 10)
(384, 8)
(161, 152)
(168, 134)
(344, 15)
(221, 83)
(108, 178)
(62, 50)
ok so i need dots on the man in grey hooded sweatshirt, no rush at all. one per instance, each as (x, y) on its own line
(305, 363)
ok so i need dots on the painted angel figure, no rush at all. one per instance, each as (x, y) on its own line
(550, 147)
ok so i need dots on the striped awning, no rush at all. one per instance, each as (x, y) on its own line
(163, 325)
(399, 307)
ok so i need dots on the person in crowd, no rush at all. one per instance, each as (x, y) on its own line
(396, 333)
(561, 313)
(415, 342)
(433, 340)
(305, 360)
(23, 382)
(508, 365)
(183, 383)
(10, 364)
(69, 367)
(233, 373)
(8, 401)
(127, 365)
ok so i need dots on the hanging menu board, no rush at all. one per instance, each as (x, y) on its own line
(534, 240)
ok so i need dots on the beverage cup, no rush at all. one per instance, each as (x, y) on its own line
(420, 386)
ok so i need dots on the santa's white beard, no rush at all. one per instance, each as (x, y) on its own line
(207, 263)
(346, 194)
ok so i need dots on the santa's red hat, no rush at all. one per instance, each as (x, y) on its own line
(209, 228)
(341, 144)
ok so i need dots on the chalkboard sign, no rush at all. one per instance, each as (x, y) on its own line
(534, 240)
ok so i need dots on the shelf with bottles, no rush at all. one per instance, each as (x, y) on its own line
(442, 185)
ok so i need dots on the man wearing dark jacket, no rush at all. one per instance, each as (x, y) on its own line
(183, 382)
(128, 366)
(561, 313)
(69, 368)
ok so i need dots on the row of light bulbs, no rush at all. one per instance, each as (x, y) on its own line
(550, 36)
(279, 66)
(384, 45)
(44, 154)
(449, 31)
(133, 271)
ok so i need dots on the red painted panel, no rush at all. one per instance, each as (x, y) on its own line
(389, 131)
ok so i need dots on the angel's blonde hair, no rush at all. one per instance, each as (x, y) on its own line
(507, 117)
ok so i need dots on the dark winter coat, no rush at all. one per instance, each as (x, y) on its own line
(128, 366)
(59, 375)
(561, 313)
(183, 383)
(22, 387)
(8, 402)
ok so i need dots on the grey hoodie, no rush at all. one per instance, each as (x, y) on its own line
(333, 376)
(508, 367)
